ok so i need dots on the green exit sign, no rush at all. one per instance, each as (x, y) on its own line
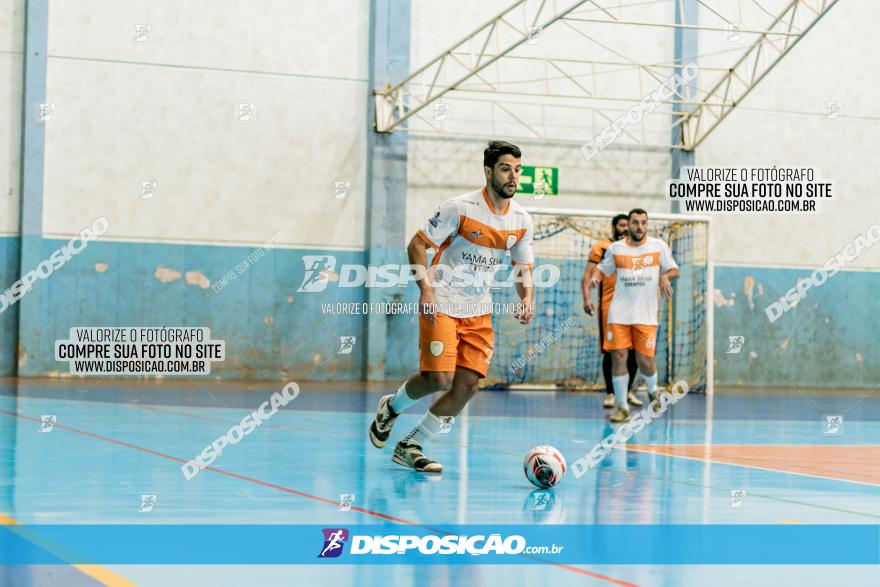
(539, 180)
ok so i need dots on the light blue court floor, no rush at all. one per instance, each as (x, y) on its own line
(112, 442)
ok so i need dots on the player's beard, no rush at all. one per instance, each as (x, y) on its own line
(634, 238)
(498, 187)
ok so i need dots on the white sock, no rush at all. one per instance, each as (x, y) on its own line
(428, 427)
(401, 400)
(650, 381)
(620, 383)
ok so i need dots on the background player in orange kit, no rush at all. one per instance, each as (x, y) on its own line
(606, 293)
(644, 266)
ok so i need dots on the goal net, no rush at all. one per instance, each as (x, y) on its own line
(560, 348)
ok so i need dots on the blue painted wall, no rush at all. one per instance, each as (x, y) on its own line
(271, 330)
(829, 339)
(9, 259)
(274, 332)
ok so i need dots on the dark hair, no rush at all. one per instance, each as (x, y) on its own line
(617, 219)
(495, 149)
(635, 211)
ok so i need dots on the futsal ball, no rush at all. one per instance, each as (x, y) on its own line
(544, 466)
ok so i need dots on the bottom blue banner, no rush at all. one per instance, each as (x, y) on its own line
(464, 544)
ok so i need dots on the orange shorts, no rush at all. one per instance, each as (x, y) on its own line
(641, 337)
(450, 342)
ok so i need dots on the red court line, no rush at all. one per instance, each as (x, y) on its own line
(295, 492)
(152, 408)
(227, 423)
(214, 469)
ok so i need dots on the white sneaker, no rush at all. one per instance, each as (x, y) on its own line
(620, 414)
(411, 455)
(651, 398)
(380, 429)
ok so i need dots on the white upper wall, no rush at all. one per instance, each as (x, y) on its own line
(617, 179)
(165, 110)
(832, 63)
(835, 61)
(545, 85)
(11, 51)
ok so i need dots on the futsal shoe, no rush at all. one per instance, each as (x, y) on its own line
(620, 414)
(411, 455)
(634, 400)
(651, 398)
(609, 401)
(380, 429)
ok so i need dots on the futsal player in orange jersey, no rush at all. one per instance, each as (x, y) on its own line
(606, 293)
(473, 234)
(643, 265)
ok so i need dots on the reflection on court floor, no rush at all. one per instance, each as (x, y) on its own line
(111, 452)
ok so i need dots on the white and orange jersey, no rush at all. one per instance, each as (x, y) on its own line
(638, 279)
(473, 241)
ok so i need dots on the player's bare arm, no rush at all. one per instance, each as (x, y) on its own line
(417, 250)
(587, 286)
(665, 286)
(526, 291)
(596, 277)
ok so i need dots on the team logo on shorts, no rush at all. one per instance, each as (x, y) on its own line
(650, 342)
(436, 348)
(489, 352)
(610, 335)
(511, 240)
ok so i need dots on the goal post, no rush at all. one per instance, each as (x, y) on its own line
(560, 348)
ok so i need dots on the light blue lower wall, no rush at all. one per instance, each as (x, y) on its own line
(830, 339)
(272, 331)
(9, 258)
